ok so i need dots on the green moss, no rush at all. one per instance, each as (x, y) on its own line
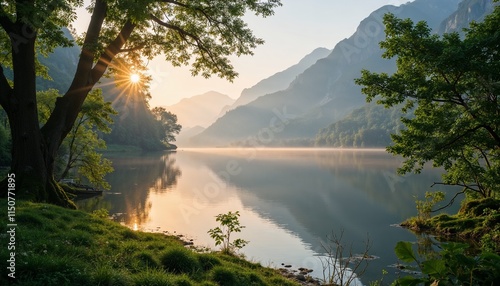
(59, 246)
(477, 222)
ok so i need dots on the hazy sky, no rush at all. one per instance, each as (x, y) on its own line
(296, 29)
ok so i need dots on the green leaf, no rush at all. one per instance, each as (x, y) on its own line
(404, 251)
(434, 267)
(408, 281)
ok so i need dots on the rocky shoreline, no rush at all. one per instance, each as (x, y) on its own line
(300, 275)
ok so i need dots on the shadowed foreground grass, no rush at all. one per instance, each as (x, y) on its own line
(57, 246)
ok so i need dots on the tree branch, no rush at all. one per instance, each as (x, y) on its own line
(132, 49)
(5, 22)
(451, 201)
(183, 33)
(111, 51)
(460, 137)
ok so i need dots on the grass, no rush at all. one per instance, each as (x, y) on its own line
(57, 246)
(477, 223)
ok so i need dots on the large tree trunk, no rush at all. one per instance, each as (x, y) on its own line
(32, 164)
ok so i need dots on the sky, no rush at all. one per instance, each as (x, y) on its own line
(296, 29)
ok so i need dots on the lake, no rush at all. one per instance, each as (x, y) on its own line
(290, 200)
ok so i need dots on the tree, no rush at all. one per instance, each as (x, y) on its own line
(454, 84)
(201, 33)
(78, 150)
(167, 124)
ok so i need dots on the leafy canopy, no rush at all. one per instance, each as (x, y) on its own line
(202, 33)
(454, 85)
(199, 33)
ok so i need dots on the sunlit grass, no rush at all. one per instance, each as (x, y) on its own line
(57, 246)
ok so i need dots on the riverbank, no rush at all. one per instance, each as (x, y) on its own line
(57, 246)
(476, 223)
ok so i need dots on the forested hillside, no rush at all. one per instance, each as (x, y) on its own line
(135, 124)
(368, 126)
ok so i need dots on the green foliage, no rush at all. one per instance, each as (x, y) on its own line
(453, 266)
(425, 207)
(135, 124)
(167, 124)
(368, 126)
(229, 223)
(79, 149)
(101, 213)
(452, 84)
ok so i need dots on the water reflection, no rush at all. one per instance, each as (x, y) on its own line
(290, 200)
(131, 183)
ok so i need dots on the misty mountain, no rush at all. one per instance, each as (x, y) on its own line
(184, 137)
(468, 11)
(61, 65)
(200, 110)
(280, 80)
(371, 125)
(323, 93)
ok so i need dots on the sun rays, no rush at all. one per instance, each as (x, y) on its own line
(135, 78)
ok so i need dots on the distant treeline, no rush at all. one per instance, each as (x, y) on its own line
(368, 126)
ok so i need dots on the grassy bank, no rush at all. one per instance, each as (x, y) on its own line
(476, 223)
(56, 246)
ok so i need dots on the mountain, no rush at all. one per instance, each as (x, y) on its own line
(323, 93)
(280, 80)
(468, 11)
(367, 126)
(62, 66)
(200, 110)
(184, 137)
(371, 125)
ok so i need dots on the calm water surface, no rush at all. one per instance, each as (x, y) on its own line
(290, 200)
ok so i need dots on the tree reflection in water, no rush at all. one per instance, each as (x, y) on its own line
(131, 182)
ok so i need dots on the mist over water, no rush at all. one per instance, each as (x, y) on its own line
(290, 200)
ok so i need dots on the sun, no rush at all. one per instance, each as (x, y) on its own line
(135, 78)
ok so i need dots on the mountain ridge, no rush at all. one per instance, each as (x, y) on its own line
(324, 92)
(281, 79)
(200, 110)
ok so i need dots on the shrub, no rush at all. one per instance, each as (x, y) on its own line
(229, 224)
(452, 267)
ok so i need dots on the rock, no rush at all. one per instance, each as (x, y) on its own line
(288, 266)
(300, 277)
